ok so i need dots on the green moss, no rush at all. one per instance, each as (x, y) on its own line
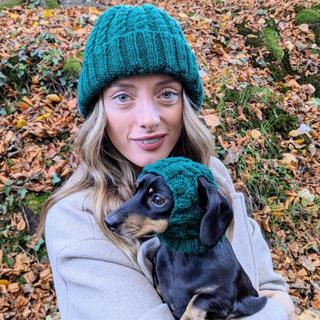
(243, 30)
(232, 95)
(274, 119)
(208, 102)
(253, 42)
(80, 54)
(297, 9)
(33, 201)
(308, 16)
(10, 4)
(270, 40)
(280, 70)
(242, 97)
(72, 68)
(316, 6)
(281, 121)
(13, 241)
(312, 18)
(52, 4)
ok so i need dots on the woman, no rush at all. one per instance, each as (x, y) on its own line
(138, 91)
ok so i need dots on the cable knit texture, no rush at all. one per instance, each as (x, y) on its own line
(136, 40)
(180, 175)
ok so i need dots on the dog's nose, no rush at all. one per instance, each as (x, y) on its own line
(111, 224)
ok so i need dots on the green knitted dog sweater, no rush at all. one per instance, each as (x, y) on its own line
(128, 41)
(180, 175)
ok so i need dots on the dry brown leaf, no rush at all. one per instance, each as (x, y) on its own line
(211, 120)
(28, 101)
(255, 133)
(289, 158)
(23, 106)
(304, 27)
(53, 97)
(8, 137)
(316, 302)
(243, 117)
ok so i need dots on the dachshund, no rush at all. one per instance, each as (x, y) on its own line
(211, 285)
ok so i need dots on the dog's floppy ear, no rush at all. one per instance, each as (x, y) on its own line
(218, 214)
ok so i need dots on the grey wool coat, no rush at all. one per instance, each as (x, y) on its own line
(95, 280)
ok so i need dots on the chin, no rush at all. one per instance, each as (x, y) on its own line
(141, 163)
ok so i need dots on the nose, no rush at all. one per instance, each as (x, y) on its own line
(148, 114)
(112, 225)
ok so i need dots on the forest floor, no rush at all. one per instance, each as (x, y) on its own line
(259, 62)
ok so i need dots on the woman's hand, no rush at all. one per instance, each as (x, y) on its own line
(283, 298)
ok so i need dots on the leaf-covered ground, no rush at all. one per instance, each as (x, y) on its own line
(259, 64)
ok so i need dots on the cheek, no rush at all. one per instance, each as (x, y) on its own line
(177, 119)
(117, 123)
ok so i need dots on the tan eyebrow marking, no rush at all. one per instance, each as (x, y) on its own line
(150, 190)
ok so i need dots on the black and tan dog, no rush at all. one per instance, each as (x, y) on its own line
(195, 286)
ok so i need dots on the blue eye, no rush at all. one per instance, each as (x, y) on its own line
(167, 95)
(122, 98)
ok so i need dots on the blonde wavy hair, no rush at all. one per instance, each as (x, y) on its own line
(111, 177)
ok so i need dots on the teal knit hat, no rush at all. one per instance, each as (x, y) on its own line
(129, 41)
(181, 176)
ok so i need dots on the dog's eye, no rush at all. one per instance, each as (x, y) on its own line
(158, 201)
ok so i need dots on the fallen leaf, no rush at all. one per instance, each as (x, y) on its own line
(5, 282)
(306, 197)
(21, 123)
(8, 137)
(304, 27)
(21, 225)
(243, 117)
(28, 101)
(211, 120)
(288, 158)
(47, 13)
(23, 106)
(294, 133)
(182, 15)
(46, 115)
(255, 133)
(316, 302)
(312, 149)
(292, 84)
(54, 97)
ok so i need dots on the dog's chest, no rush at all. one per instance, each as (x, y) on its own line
(180, 275)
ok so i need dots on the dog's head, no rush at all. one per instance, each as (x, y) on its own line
(148, 211)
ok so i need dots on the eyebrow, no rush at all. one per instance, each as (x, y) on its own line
(129, 85)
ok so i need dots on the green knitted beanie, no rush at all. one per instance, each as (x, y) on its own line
(129, 41)
(180, 175)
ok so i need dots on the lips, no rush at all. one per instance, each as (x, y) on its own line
(149, 141)
(149, 144)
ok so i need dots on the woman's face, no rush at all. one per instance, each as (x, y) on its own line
(144, 116)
